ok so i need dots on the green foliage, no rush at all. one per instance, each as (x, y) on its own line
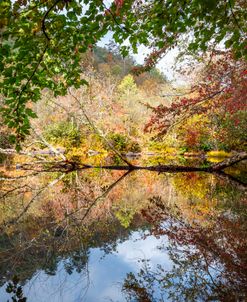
(161, 146)
(122, 143)
(234, 131)
(182, 150)
(63, 133)
(116, 70)
(156, 145)
(154, 73)
(42, 41)
(206, 146)
(134, 147)
(127, 86)
(119, 65)
(125, 216)
(118, 141)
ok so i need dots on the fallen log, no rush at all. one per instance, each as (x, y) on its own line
(230, 161)
(72, 165)
(177, 168)
(69, 166)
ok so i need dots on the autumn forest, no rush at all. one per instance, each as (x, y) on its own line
(123, 150)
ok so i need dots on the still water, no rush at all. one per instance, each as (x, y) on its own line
(96, 235)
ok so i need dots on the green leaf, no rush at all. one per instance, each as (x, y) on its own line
(30, 113)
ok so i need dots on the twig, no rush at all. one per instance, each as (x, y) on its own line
(234, 17)
(106, 192)
(44, 19)
(114, 18)
(98, 132)
(16, 219)
(54, 150)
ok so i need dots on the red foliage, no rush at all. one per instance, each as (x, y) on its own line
(119, 3)
(150, 61)
(223, 86)
(192, 137)
(224, 241)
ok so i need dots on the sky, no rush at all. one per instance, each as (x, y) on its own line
(102, 279)
(165, 64)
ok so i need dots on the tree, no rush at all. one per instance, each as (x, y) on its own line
(127, 86)
(42, 41)
(221, 91)
(208, 259)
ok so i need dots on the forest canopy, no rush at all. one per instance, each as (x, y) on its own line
(42, 42)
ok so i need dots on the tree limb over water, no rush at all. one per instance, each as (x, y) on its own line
(68, 166)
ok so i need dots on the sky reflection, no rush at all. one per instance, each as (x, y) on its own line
(104, 278)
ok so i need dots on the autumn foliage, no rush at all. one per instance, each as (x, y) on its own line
(222, 88)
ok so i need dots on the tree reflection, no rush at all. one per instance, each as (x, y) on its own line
(209, 261)
(16, 290)
(54, 220)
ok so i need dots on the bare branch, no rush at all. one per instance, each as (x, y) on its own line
(98, 132)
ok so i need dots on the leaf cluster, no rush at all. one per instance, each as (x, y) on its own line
(42, 41)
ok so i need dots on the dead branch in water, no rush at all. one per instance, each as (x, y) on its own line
(67, 166)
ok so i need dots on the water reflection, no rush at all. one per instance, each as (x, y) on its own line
(114, 236)
(209, 260)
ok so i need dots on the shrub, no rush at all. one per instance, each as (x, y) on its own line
(134, 147)
(118, 141)
(205, 145)
(63, 133)
(122, 143)
(127, 86)
(4, 140)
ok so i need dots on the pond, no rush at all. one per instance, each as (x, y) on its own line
(99, 235)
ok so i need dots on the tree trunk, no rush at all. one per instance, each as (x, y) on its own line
(230, 161)
(176, 168)
(70, 166)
